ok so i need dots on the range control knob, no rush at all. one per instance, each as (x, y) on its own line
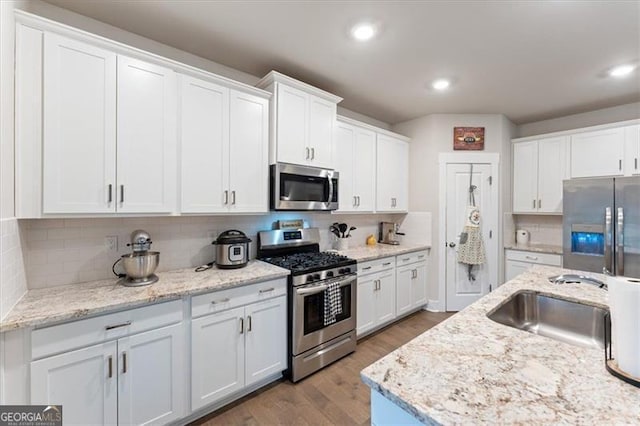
(329, 274)
(309, 278)
(316, 276)
(345, 271)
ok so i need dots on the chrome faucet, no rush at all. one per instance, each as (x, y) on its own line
(577, 279)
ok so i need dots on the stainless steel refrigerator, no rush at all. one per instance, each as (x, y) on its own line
(601, 225)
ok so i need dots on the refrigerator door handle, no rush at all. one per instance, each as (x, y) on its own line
(608, 236)
(620, 242)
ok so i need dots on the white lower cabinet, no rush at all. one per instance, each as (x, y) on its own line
(376, 295)
(133, 380)
(518, 261)
(236, 348)
(411, 287)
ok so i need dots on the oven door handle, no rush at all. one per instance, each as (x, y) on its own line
(322, 287)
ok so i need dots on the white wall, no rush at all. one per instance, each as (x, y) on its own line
(432, 135)
(592, 118)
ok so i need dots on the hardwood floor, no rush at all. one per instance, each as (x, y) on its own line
(332, 396)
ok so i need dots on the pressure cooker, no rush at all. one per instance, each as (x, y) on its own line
(232, 249)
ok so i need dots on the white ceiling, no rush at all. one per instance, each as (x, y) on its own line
(530, 60)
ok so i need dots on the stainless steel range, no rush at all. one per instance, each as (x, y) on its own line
(322, 298)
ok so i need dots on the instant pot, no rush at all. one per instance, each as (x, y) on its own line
(232, 249)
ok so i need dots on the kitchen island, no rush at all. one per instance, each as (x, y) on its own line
(470, 369)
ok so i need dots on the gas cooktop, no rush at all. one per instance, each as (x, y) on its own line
(304, 263)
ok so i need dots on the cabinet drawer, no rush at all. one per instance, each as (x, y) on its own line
(376, 265)
(238, 296)
(533, 257)
(64, 337)
(409, 258)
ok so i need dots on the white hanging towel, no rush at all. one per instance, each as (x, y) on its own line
(471, 250)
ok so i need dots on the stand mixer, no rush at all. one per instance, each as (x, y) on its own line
(140, 264)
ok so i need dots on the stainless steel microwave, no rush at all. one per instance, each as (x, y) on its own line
(295, 187)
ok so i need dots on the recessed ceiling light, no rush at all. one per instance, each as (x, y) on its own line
(440, 84)
(363, 32)
(622, 70)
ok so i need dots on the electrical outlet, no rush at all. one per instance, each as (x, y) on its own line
(111, 243)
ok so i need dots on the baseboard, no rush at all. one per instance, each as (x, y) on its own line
(434, 306)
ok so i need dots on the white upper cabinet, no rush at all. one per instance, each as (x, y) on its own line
(539, 167)
(392, 174)
(303, 122)
(355, 160)
(146, 137)
(632, 150)
(79, 133)
(223, 147)
(597, 153)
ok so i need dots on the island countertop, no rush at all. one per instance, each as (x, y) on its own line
(41, 307)
(470, 369)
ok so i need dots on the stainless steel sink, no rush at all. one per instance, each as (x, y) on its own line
(570, 322)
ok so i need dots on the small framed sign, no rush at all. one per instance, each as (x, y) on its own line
(468, 138)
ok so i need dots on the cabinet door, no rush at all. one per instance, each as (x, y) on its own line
(419, 285)
(365, 318)
(404, 283)
(525, 177)
(82, 382)
(392, 174)
(552, 170)
(79, 129)
(146, 137)
(344, 164)
(515, 268)
(597, 153)
(401, 202)
(266, 339)
(385, 305)
(322, 116)
(632, 150)
(217, 356)
(151, 377)
(248, 150)
(291, 132)
(203, 141)
(364, 166)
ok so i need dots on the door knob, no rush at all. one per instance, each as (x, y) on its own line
(452, 245)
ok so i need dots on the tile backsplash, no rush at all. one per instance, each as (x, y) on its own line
(66, 251)
(543, 229)
(13, 282)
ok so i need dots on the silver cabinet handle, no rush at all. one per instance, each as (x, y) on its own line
(233, 197)
(421, 256)
(124, 362)
(241, 325)
(620, 242)
(386, 264)
(619, 164)
(531, 257)
(355, 201)
(358, 201)
(406, 259)
(110, 193)
(266, 290)
(539, 204)
(124, 324)
(635, 163)
(313, 153)
(307, 153)
(122, 193)
(367, 268)
(534, 204)
(110, 361)
(375, 285)
(215, 302)
(608, 238)
(249, 321)
(226, 197)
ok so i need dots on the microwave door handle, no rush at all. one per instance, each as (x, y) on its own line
(608, 252)
(329, 178)
(620, 242)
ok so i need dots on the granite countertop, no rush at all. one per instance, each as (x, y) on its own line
(534, 247)
(39, 307)
(364, 253)
(469, 369)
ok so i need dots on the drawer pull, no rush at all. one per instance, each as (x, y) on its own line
(367, 268)
(421, 256)
(532, 257)
(124, 324)
(406, 259)
(266, 290)
(386, 264)
(215, 302)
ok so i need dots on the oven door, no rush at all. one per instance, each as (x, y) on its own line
(303, 188)
(309, 330)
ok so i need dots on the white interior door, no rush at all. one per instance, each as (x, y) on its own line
(462, 291)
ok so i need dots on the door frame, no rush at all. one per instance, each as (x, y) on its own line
(444, 159)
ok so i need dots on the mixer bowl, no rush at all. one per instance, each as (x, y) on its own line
(141, 265)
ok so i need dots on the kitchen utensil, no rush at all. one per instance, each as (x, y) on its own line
(353, 228)
(139, 265)
(335, 231)
(232, 249)
(343, 228)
